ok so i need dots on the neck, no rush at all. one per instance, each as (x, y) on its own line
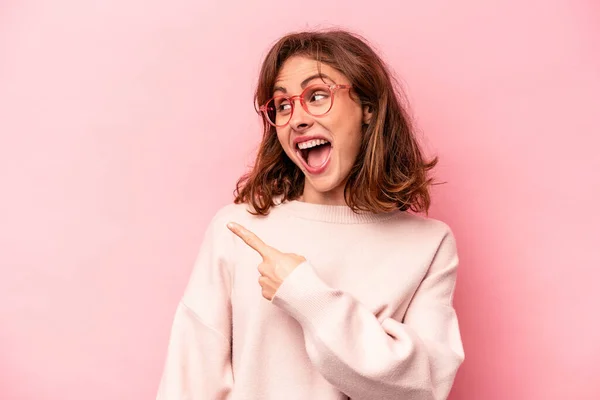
(333, 197)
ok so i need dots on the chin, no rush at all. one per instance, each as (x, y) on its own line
(323, 184)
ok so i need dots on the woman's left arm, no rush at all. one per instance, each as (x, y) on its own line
(364, 358)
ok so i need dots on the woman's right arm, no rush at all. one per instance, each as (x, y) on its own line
(198, 360)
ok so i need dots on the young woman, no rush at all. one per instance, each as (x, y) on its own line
(318, 282)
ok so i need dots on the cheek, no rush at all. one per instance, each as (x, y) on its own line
(281, 135)
(284, 141)
(347, 133)
(351, 146)
(346, 121)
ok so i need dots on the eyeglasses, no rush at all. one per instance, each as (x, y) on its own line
(316, 100)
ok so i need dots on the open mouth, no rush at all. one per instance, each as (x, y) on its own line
(315, 153)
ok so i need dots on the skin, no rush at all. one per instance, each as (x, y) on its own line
(275, 267)
(342, 127)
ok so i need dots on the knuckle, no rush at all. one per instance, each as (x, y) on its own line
(262, 269)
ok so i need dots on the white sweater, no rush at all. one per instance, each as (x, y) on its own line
(369, 316)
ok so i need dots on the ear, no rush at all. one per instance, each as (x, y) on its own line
(367, 115)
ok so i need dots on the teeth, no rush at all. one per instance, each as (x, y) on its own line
(311, 143)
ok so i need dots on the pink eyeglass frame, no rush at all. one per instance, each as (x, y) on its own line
(332, 87)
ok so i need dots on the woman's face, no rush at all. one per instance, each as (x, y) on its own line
(325, 166)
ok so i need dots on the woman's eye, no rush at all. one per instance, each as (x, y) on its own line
(318, 96)
(283, 107)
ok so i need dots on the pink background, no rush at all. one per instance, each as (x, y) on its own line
(124, 125)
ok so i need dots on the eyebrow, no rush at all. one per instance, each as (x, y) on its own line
(305, 82)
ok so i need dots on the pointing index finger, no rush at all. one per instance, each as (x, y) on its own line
(250, 239)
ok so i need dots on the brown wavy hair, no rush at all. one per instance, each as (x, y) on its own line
(390, 171)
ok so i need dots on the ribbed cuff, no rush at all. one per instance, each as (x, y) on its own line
(303, 295)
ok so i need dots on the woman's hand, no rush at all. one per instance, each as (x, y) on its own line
(275, 267)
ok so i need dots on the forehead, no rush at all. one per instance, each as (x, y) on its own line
(297, 68)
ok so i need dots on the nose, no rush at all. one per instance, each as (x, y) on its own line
(301, 120)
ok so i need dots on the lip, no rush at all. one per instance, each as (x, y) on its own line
(308, 168)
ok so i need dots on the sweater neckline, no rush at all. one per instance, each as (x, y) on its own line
(340, 214)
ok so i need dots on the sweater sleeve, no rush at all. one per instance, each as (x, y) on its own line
(198, 360)
(416, 358)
